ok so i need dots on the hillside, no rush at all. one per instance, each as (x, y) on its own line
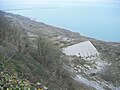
(34, 50)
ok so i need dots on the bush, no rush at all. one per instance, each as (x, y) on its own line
(9, 80)
(112, 74)
(49, 55)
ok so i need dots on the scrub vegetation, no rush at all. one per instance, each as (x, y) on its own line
(31, 52)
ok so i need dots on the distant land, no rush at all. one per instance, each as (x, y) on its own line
(14, 9)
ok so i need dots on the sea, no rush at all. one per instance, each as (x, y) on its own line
(99, 21)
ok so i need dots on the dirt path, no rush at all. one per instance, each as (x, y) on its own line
(27, 29)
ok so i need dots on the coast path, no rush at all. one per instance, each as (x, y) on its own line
(27, 29)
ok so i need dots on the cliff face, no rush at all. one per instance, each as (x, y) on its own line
(34, 48)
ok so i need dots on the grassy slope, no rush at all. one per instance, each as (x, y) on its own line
(39, 60)
(27, 61)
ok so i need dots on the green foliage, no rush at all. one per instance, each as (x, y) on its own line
(112, 74)
(48, 55)
(9, 79)
(13, 83)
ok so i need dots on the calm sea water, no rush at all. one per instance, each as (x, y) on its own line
(96, 21)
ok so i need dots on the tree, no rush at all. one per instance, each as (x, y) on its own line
(49, 55)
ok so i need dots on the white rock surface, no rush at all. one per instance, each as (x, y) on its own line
(86, 50)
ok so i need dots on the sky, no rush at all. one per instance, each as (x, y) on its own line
(10, 4)
(53, 3)
(57, 1)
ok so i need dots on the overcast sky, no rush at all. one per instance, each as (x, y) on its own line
(56, 1)
(35, 3)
